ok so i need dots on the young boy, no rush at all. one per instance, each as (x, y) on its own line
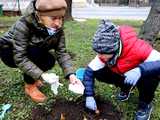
(126, 61)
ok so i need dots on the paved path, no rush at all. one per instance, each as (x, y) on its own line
(93, 12)
(135, 13)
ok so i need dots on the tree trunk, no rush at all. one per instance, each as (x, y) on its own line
(151, 26)
(68, 15)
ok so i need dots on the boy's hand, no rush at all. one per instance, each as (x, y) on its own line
(91, 103)
(132, 76)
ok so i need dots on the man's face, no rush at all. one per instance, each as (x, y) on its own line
(105, 57)
(52, 22)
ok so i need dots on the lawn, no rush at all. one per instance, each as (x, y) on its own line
(78, 40)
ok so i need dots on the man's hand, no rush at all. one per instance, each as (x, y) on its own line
(132, 76)
(53, 80)
(75, 85)
(50, 77)
(91, 103)
(74, 80)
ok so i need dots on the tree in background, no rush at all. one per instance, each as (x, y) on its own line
(68, 15)
(151, 26)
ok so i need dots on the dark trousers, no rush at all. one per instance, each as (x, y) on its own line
(40, 57)
(146, 86)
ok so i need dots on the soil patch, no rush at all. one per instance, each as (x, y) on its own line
(69, 110)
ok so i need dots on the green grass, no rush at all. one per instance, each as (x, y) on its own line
(78, 39)
(7, 20)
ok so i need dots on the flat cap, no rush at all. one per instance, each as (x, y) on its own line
(51, 7)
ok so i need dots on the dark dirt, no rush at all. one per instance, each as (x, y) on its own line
(69, 110)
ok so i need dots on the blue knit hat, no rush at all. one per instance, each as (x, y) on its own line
(106, 39)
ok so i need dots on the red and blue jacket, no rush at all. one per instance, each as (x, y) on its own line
(134, 52)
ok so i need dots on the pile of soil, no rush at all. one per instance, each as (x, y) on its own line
(69, 110)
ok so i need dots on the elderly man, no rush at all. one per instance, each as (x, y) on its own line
(35, 42)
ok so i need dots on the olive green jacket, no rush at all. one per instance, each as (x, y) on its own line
(28, 32)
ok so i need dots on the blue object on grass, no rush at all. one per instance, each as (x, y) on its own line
(5, 108)
(80, 73)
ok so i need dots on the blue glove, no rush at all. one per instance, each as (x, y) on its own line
(91, 103)
(132, 76)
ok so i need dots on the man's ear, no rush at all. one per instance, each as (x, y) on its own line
(38, 18)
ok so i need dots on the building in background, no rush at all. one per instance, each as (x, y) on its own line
(134, 3)
(16, 7)
(13, 7)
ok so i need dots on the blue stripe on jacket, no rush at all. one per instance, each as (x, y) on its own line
(147, 69)
(88, 82)
(150, 68)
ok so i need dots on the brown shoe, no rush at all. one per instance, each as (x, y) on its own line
(32, 91)
(39, 83)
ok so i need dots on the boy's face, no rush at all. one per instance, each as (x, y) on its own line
(105, 57)
(52, 22)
